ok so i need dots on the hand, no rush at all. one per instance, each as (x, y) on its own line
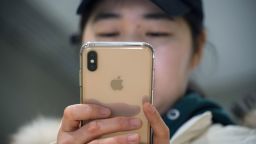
(161, 131)
(100, 124)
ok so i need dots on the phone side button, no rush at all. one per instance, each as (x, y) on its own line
(80, 83)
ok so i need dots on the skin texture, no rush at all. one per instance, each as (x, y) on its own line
(136, 20)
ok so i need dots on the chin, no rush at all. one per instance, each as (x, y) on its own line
(165, 101)
(162, 107)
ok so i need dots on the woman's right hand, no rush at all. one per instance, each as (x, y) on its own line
(100, 124)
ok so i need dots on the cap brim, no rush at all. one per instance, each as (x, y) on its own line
(172, 7)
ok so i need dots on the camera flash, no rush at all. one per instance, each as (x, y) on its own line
(92, 61)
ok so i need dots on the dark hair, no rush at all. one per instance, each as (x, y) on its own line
(77, 38)
(85, 15)
(195, 28)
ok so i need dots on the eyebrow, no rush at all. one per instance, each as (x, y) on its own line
(105, 16)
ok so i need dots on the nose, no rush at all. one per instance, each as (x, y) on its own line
(133, 37)
(133, 32)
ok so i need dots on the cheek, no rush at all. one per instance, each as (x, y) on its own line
(88, 34)
(171, 73)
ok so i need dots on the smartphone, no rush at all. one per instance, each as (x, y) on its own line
(118, 75)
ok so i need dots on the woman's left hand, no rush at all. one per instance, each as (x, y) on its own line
(161, 131)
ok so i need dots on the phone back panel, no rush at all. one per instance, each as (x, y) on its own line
(122, 81)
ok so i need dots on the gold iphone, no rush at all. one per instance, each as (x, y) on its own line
(118, 75)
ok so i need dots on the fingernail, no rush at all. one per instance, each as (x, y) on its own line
(132, 138)
(135, 122)
(105, 111)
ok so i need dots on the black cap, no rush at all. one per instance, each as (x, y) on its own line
(173, 8)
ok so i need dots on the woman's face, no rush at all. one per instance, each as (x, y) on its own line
(141, 20)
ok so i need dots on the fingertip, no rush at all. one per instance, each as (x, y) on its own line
(146, 104)
(99, 111)
(149, 108)
(132, 138)
(135, 122)
(105, 111)
(156, 122)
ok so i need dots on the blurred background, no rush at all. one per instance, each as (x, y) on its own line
(39, 66)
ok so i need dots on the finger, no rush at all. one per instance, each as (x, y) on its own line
(124, 139)
(161, 131)
(75, 113)
(98, 128)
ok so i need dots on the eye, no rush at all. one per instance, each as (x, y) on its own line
(108, 34)
(158, 34)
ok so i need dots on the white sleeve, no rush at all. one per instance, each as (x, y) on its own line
(218, 134)
(39, 131)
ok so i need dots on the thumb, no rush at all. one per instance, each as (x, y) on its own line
(161, 131)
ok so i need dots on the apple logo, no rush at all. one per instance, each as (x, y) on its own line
(116, 84)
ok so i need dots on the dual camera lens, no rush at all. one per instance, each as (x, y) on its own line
(92, 61)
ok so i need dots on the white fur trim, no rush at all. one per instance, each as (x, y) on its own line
(40, 131)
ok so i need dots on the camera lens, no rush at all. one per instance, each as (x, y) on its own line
(92, 60)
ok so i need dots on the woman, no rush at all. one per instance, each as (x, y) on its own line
(180, 115)
(175, 30)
